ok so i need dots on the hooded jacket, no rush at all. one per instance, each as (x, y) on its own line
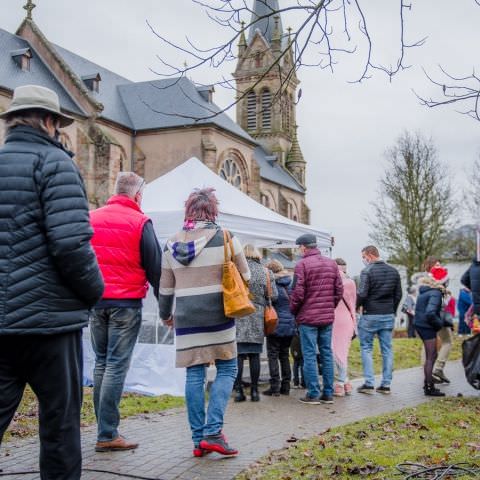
(429, 305)
(286, 320)
(191, 291)
(48, 270)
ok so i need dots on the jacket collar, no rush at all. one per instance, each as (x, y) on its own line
(125, 201)
(33, 135)
(311, 252)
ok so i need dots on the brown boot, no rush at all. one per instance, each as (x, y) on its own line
(119, 444)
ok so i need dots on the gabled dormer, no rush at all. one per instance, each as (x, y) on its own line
(22, 58)
(92, 82)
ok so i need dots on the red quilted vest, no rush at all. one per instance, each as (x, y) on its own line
(118, 228)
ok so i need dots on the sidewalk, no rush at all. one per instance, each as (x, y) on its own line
(254, 428)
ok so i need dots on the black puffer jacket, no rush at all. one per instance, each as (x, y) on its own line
(49, 276)
(471, 279)
(429, 306)
(380, 289)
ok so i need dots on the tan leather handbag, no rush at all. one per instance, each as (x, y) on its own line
(236, 300)
(270, 316)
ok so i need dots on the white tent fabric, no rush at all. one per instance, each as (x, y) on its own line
(164, 198)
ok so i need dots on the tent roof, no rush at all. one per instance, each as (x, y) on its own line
(164, 200)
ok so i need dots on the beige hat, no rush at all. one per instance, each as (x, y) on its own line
(28, 97)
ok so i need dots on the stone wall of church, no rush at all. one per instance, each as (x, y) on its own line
(165, 150)
(283, 200)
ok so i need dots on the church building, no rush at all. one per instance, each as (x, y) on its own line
(151, 127)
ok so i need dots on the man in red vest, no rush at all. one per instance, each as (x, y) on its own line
(129, 257)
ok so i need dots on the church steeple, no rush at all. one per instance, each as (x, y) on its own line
(295, 161)
(266, 109)
(263, 20)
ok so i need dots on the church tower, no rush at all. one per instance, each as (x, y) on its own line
(266, 85)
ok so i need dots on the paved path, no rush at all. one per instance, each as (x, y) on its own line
(255, 429)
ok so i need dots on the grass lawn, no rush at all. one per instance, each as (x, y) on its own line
(407, 354)
(440, 432)
(26, 423)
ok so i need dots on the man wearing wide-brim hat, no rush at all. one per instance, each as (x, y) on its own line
(48, 274)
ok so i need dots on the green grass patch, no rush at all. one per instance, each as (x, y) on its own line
(440, 432)
(25, 422)
(406, 354)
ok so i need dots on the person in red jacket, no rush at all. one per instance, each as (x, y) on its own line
(129, 257)
(317, 290)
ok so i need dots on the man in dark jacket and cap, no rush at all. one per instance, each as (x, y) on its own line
(317, 290)
(49, 276)
(378, 295)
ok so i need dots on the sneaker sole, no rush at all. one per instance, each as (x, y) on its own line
(214, 448)
(114, 449)
(383, 392)
(326, 402)
(310, 402)
(367, 392)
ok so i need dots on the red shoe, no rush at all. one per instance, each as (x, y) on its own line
(217, 443)
(200, 452)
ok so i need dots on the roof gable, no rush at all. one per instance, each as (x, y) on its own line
(11, 76)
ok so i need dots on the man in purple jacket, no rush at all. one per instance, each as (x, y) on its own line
(317, 290)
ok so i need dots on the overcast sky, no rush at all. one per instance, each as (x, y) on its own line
(343, 128)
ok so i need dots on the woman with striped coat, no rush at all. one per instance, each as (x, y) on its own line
(192, 267)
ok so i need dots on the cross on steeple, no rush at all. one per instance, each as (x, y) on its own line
(29, 7)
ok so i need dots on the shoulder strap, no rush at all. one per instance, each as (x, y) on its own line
(269, 287)
(227, 242)
(348, 308)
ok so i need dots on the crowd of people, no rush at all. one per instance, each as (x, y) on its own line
(63, 267)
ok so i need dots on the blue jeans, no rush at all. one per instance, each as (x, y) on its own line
(311, 338)
(114, 333)
(368, 327)
(341, 375)
(220, 392)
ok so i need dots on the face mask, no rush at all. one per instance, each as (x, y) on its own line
(56, 135)
(365, 262)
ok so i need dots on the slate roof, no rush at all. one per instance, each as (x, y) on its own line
(273, 172)
(173, 103)
(265, 25)
(137, 106)
(11, 76)
(108, 93)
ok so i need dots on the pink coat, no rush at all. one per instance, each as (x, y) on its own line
(345, 323)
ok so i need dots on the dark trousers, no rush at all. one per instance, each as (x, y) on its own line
(278, 350)
(410, 328)
(52, 366)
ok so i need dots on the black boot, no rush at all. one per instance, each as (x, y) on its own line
(240, 396)
(431, 391)
(254, 393)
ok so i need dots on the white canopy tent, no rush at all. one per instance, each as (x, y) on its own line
(164, 198)
(153, 363)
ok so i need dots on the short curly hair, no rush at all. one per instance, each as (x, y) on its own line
(201, 205)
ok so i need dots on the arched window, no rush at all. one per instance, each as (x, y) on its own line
(266, 109)
(251, 111)
(268, 200)
(231, 171)
(258, 59)
(292, 211)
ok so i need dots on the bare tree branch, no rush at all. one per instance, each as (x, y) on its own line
(323, 34)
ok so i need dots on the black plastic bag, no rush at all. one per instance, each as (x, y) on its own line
(471, 360)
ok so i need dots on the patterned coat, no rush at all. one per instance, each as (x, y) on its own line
(250, 329)
(192, 267)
